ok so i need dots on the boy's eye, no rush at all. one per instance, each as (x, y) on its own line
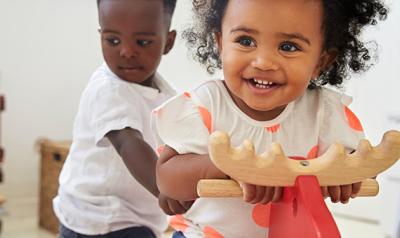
(289, 47)
(113, 41)
(144, 42)
(246, 41)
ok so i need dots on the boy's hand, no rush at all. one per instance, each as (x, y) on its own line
(173, 207)
(341, 193)
(260, 194)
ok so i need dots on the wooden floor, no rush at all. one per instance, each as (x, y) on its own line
(20, 221)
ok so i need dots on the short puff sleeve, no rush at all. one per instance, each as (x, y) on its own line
(180, 124)
(339, 123)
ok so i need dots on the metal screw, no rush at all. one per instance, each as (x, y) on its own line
(304, 163)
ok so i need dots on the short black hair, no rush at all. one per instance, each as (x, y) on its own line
(169, 6)
(343, 22)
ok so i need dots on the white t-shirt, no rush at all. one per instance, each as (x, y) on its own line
(97, 193)
(305, 129)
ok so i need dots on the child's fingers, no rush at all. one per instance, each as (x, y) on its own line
(324, 191)
(259, 194)
(163, 203)
(334, 193)
(345, 193)
(269, 194)
(249, 191)
(175, 207)
(186, 204)
(356, 187)
(278, 191)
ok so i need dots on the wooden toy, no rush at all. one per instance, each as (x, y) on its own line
(302, 211)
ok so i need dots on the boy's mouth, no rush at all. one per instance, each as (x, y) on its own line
(130, 67)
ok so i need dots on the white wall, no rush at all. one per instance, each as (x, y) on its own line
(48, 49)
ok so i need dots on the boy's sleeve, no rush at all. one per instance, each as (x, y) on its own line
(339, 123)
(183, 125)
(114, 107)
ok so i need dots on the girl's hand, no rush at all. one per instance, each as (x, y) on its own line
(260, 194)
(173, 207)
(341, 193)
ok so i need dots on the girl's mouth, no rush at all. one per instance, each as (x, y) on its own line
(262, 84)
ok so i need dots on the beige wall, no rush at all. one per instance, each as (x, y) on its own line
(48, 49)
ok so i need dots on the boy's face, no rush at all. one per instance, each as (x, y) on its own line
(270, 50)
(134, 36)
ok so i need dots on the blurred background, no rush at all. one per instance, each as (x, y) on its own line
(48, 50)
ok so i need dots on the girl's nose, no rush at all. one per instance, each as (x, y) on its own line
(128, 51)
(265, 62)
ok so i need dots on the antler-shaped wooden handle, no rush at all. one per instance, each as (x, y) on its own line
(334, 167)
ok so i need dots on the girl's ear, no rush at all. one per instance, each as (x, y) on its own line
(327, 59)
(170, 41)
(218, 40)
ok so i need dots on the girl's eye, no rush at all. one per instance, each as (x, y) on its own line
(246, 41)
(144, 42)
(288, 47)
(113, 41)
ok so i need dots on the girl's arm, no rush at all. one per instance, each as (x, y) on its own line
(178, 175)
(138, 156)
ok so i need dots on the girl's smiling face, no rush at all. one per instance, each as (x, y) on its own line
(270, 50)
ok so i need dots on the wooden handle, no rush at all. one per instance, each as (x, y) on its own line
(230, 188)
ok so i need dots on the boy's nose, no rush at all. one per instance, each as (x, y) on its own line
(265, 62)
(128, 52)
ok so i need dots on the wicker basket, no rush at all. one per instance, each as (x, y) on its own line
(53, 155)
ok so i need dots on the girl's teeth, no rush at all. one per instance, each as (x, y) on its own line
(261, 86)
(262, 82)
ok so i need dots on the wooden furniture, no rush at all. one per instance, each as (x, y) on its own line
(302, 211)
(2, 198)
(53, 155)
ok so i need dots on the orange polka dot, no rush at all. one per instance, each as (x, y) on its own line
(211, 233)
(352, 119)
(160, 149)
(313, 153)
(206, 115)
(187, 95)
(274, 128)
(261, 214)
(178, 223)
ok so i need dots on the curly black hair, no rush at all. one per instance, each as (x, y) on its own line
(169, 6)
(343, 22)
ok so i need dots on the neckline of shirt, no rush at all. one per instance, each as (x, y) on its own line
(227, 97)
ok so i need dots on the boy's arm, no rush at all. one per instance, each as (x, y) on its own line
(178, 175)
(138, 156)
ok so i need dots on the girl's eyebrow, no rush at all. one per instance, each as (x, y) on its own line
(244, 29)
(295, 35)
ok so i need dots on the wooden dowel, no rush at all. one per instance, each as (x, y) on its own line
(230, 188)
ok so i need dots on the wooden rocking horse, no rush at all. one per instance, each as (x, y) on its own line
(302, 211)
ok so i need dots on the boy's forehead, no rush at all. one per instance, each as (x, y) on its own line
(131, 7)
(145, 12)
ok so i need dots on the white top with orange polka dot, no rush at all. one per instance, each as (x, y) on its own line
(304, 129)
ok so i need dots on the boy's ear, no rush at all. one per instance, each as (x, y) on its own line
(170, 41)
(327, 59)
(218, 40)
